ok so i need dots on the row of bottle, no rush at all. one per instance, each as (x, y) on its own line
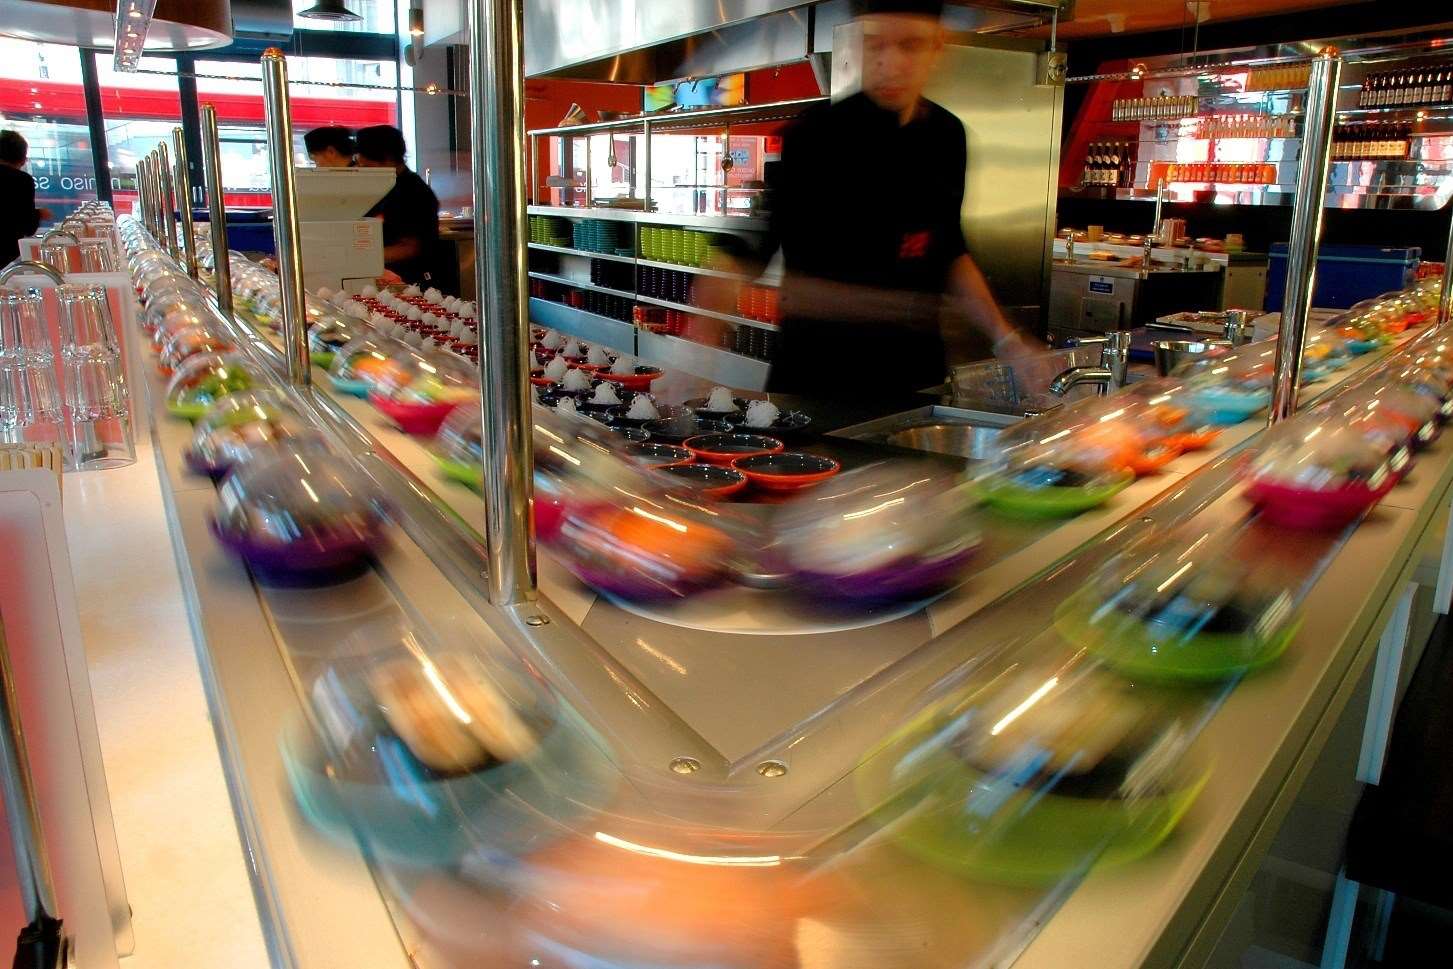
(1247, 126)
(1242, 173)
(1278, 78)
(1363, 142)
(1165, 108)
(1109, 164)
(1407, 87)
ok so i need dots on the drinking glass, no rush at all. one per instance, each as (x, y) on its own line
(98, 425)
(30, 407)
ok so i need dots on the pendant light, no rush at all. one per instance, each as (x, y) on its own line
(333, 10)
(163, 25)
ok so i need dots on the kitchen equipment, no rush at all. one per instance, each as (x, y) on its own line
(1170, 354)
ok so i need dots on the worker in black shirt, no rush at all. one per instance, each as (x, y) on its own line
(19, 217)
(330, 147)
(865, 205)
(410, 210)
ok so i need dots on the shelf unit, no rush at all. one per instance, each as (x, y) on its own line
(660, 350)
(1424, 181)
(711, 363)
(715, 223)
(698, 271)
(586, 253)
(583, 284)
(713, 314)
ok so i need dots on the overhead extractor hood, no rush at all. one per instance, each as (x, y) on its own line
(643, 42)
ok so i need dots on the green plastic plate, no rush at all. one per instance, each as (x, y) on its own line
(1051, 502)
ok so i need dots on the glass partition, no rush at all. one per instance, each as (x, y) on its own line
(41, 97)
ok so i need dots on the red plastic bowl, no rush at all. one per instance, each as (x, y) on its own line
(1309, 508)
(707, 480)
(786, 470)
(420, 420)
(538, 378)
(726, 448)
(640, 380)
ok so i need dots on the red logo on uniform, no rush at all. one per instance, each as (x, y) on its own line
(915, 245)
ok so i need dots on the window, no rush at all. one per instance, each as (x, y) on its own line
(139, 110)
(41, 97)
(378, 17)
(325, 91)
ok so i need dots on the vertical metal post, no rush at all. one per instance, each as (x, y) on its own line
(646, 189)
(497, 134)
(285, 227)
(216, 209)
(168, 203)
(1312, 173)
(1445, 305)
(183, 179)
(141, 209)
(153, 200)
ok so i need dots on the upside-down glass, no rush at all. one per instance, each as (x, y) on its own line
(98, 423)
(30, 405)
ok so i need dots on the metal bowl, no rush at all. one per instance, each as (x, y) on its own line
(1170, 354)
(965, 440)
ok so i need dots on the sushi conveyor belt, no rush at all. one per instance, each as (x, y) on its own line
(659, 686)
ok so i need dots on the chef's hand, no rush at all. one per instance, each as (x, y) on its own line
(389, 278)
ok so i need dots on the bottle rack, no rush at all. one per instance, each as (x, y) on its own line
(1164, 108)
(1371, 142)
(1109, 164)
(1244, 125)
(1410, 87)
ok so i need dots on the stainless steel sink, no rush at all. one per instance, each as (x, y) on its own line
(939, 429)
(965, 440)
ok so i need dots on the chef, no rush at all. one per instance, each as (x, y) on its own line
(866, 210)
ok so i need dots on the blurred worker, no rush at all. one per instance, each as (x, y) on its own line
(19, 217)
(410, 210)
(872, 274)
(330, 146)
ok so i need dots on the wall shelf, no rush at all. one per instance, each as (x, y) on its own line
(567, 251)
(582, 284)
(718, 223)
(713, 314)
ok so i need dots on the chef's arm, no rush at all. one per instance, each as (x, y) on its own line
(409, 247)
(970, 291)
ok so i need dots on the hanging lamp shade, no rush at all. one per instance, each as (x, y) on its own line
(334, 10)
(174, 25)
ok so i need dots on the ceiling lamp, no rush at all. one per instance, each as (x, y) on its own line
(333, 10)
(160, 25)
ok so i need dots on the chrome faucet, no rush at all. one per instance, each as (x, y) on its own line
(1112, 371)
(1101, 377)
(1157, 227)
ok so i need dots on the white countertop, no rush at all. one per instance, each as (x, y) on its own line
(186, 876)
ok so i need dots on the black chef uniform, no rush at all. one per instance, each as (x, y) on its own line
(411, 210)
(860, 198)
(19, 218)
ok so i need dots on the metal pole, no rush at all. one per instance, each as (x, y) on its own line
(286, 231)
(497, 134)
(216, 209)
(141, 210)
(1306, 235)
(182, 175)
(153, 200)
(168, 203)
(646, 164)
(1445, 305)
